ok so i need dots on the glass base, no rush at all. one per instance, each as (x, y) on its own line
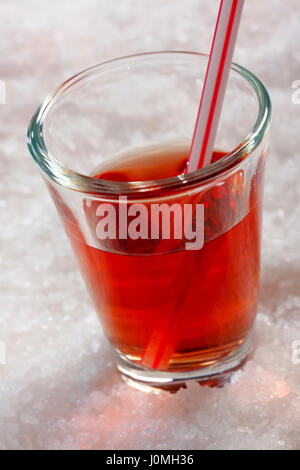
(214, 375)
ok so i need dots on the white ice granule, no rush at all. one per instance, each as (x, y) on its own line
(59, 388)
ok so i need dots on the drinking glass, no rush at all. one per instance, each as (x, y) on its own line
(171, 311)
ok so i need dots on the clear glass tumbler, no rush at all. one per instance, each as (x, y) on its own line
(172, 310)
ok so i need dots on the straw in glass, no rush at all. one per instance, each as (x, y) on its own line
(161, 344)
(215, 84)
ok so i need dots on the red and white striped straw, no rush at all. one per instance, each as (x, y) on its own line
(215, 84)
(162, 344)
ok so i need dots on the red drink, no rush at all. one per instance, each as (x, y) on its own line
(177, 310)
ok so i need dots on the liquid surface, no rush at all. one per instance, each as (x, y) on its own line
(154, 164)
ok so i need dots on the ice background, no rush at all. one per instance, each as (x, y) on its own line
(59, 388)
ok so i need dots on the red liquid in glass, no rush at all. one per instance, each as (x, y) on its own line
(182, 310)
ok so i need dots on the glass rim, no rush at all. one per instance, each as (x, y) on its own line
(71, 179)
